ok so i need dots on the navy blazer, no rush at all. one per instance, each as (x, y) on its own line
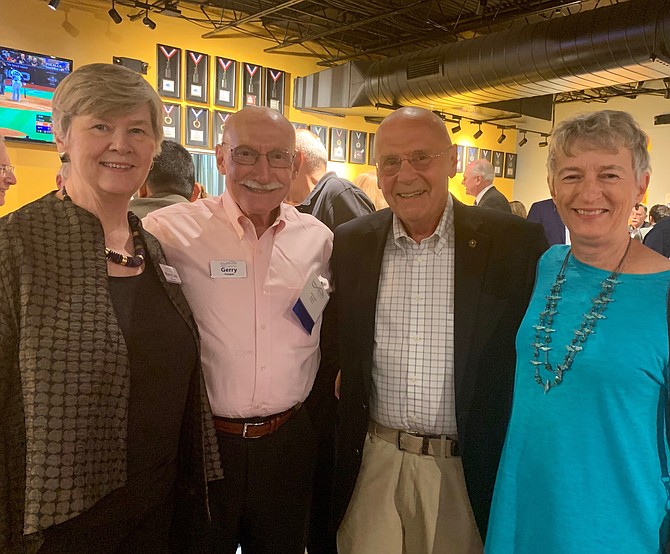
(545, 213)
(495, 261)
(493, 199)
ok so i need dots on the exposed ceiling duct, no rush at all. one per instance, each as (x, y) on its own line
(611, 45)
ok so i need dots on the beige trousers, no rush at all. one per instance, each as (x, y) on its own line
(408, 504)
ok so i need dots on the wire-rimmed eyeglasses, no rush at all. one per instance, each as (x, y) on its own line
(390, 165)
(243, 155)
(4, 169)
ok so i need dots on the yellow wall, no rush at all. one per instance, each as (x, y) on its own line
(84, 33)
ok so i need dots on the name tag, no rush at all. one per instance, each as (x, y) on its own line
(227, 269)
(170, 274)
(312, 301)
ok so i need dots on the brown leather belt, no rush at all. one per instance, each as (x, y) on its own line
(438, 446)
(256, 427)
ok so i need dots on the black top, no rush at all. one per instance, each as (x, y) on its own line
(162, 355)
(658, 238)
(334, 201)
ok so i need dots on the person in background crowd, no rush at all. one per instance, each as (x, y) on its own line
(478, 182)
(7, 177)
(244, 258)
(367, 182)
(329, 198)
(102, 398)
(428, 295)
(518, 208)
(638, 222)
(585, 464)
(545, 213)
(658, 237)
(171, 180)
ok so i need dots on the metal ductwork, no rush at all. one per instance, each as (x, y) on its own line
(613, 45)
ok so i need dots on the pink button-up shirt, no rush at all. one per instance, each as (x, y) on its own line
(257, 357)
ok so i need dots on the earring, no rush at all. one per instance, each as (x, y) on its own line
(64, 157)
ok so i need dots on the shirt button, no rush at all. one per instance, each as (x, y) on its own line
(262, 368)
(263, 326)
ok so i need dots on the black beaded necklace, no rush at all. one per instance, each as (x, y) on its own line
(128, 261)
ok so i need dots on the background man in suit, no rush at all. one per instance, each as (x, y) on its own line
(545, 213)
(478, 182)
(429, 295)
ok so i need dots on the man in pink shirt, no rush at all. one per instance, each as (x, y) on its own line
(243, 259)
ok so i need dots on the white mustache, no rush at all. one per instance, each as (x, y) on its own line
(267, 187)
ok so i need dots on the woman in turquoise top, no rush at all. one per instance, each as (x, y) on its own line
(585, 463)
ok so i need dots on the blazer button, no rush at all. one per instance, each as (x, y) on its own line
(358, 452)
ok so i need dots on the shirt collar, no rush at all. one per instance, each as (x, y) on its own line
(482, 192)
(444, 229)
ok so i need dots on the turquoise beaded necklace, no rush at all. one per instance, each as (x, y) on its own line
(544, 329)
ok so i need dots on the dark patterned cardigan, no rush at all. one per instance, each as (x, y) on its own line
(64, 377)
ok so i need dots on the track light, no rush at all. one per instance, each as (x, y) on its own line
(524, 140)
(53, 4)
(147, 22)
(457, 127)
(116, 16)
(544, 142)
(479, 132)
(502, 136)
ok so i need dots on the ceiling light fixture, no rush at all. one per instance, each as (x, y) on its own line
(524, 140)
(544, 142)
(147, 22)
(479, 132)
(502, 136)
(116, 16)
(457, 127)
(53, 4)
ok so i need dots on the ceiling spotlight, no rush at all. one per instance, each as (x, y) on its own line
(116, 16)
(479, 131)
(457, 128)
(544, 142)
(524, 140)
(502, 136)
(53, 4)
(147, 22)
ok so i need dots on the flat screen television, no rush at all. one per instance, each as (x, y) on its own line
(27, 85)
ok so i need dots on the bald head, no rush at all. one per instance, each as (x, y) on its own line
(258, 116)
(415, 116)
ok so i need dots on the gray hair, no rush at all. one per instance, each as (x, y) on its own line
(104, 90)
(312, 149)
(606, 129)
(484, 169)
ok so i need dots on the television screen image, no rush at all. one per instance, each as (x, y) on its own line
(27, 85)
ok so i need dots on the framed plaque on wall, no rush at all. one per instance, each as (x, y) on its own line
(486, 154)
(338, 145)
(498, 161)
(197, 124)
(472, 153)
(460, 155)
(218, 123)
(274, 89)
(197, 72)
(371, 150)
(510, 165)
(168, 63)
(171, 119)
(320, 131)
(226, 81)
(357, 147)
(252, 93)
(298, 126)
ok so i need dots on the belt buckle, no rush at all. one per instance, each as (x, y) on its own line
(248, 424)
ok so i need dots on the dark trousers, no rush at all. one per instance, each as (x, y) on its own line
(263, 501)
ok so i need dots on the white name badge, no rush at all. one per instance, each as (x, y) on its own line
(196, 90)
(224, 95)
(227, 269)
(170, 274)
(169, 132)
(197, 136)
(312, 301)
(168, 85)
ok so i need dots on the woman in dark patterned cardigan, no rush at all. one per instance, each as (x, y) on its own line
(101, 395)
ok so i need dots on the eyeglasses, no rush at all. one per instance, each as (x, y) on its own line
(244, 155)
(391, 165)
(4, 169)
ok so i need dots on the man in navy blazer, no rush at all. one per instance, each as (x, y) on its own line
(428, 297)
(545, 213)
(478, 182)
